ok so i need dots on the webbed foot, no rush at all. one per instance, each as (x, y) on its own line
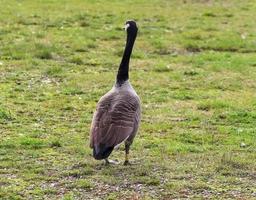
(110, 162)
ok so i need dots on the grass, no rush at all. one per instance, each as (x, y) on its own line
(193, 66)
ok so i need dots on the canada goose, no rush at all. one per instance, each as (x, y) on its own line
(117, 115)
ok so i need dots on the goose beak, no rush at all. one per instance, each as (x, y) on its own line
(126, 26)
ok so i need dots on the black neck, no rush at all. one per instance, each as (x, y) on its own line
(123, 71)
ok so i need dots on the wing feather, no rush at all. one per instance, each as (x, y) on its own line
(115, 119)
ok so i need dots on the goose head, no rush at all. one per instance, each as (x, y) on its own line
(131, 27)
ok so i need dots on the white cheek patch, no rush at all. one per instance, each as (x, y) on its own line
(126, 26)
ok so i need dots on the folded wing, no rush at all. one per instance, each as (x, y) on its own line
(116, 118)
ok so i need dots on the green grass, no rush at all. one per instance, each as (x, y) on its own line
(193, 66)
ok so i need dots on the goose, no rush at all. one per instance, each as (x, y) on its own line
(117, 116)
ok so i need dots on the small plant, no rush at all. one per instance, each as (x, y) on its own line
(77, 60)
(54, 71)
(209, 14)
(83, 183)
(5, 115)
(55, 143)
(44, 51)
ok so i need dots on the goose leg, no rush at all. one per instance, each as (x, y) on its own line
(107, 161)
(127, 148)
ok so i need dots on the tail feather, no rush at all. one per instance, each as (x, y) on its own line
(101, 152)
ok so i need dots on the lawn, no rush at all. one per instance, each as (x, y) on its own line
(193, 65)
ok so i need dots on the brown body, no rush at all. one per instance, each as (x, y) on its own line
(116, 120)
